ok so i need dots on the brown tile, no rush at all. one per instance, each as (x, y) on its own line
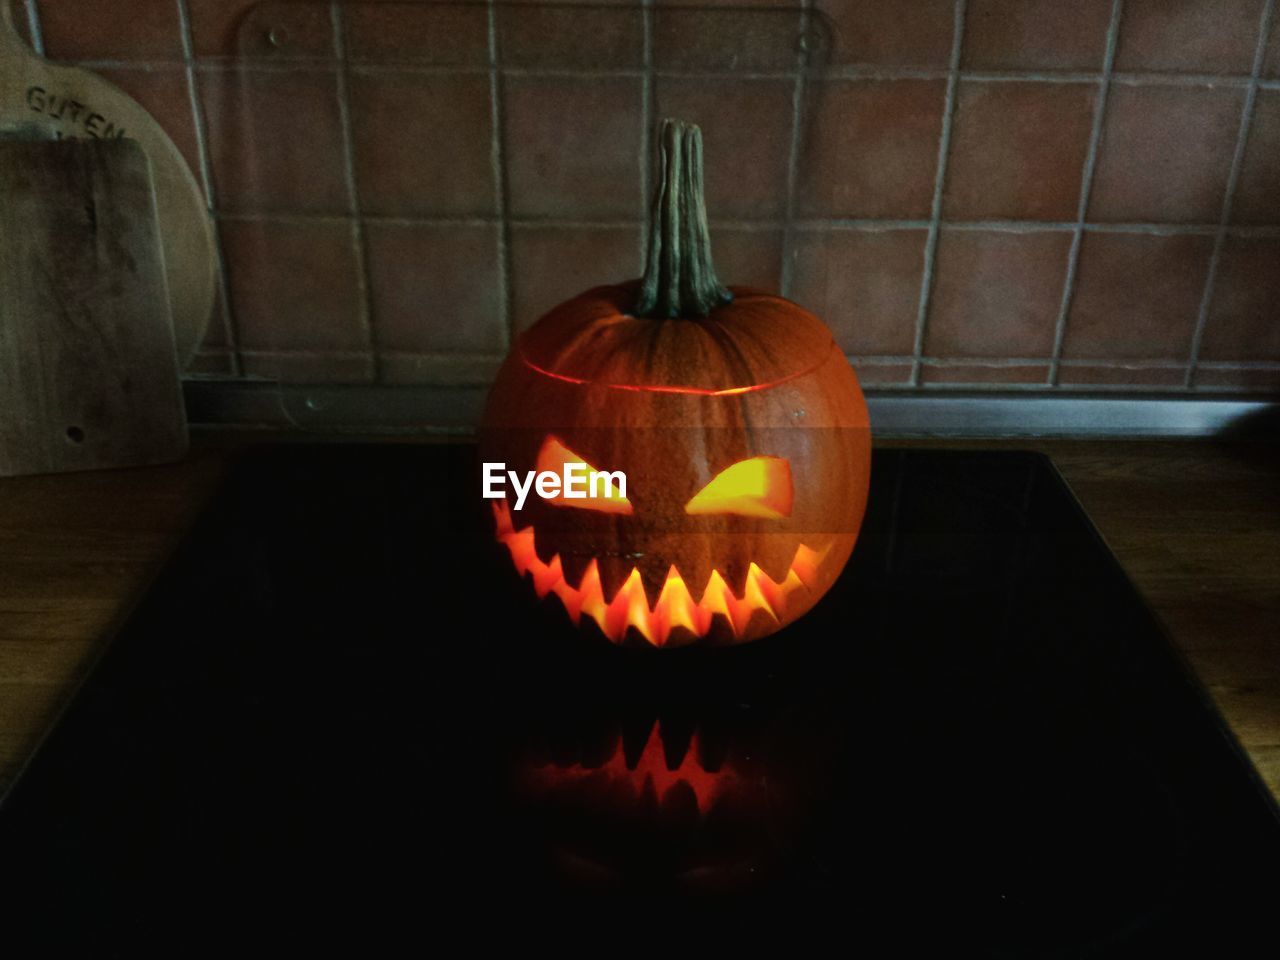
(436, 288)
(746, 128)
(423, 33)
(908, 33)
(1017, 150)
(275, 140)
(572, 146)
(1165, 153)
(1258, 191)
(1261, 380)
(570, 37)
(423, 143)
(871, 149)
(165, 94)
(996, 294)
(1036, 34)
(1121, 375)
(1271, 63)
(552, 264)
(215, 25)
(864, 284)
(1199, 36)
(293, 285)
(93, 30)
(725, 39)
(308, 367)
(1244, 318)
(978, 374)
(748, 258)
(1136, 295)
(249, 28)
(873, 375)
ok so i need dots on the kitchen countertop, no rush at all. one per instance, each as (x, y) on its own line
(1196, 525)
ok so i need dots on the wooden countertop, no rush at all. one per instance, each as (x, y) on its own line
(1196, 524)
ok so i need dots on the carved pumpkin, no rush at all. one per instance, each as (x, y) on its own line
(735, 417)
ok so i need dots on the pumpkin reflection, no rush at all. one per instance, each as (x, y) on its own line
(670, 807)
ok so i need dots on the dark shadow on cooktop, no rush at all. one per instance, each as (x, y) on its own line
(337, 709)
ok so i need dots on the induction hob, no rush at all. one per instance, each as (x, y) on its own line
(336, 708)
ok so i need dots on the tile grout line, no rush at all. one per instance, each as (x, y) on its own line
(865, 359)
(1240, 364)
(648, 95)
(1229, 195)
(475, 371)
(870, 359)
(34, 25)
(769, 224)
(359, 244)
(939, 183)
(798, 94)
(845, 72)
(1086, 189)
(230, 323)
(497, 161)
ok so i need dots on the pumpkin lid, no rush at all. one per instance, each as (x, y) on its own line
(755, 342)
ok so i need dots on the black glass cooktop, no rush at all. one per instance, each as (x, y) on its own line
(335, 709)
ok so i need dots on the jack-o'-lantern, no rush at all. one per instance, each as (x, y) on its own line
(735, 418)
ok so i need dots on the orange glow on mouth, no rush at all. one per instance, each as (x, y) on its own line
(675, 610)
(649, 774)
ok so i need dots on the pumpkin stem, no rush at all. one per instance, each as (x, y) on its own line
(679, 279)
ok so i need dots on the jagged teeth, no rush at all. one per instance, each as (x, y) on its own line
(675, 609)
(646, 766)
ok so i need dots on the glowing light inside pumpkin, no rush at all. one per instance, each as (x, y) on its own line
(759, 487)
(650, 774)
(553, 457)
(676, 610)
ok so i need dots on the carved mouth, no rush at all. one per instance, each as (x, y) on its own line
(676, 615)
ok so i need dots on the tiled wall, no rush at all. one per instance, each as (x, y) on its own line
(1003, 194)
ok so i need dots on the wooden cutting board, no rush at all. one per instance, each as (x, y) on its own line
(38, 99)
(88, 374)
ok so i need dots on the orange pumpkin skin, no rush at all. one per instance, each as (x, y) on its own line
(672, 402)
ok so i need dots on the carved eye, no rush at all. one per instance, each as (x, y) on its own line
(759, 487)
(554, 456)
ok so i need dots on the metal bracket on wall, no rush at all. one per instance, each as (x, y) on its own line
(332, 409)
